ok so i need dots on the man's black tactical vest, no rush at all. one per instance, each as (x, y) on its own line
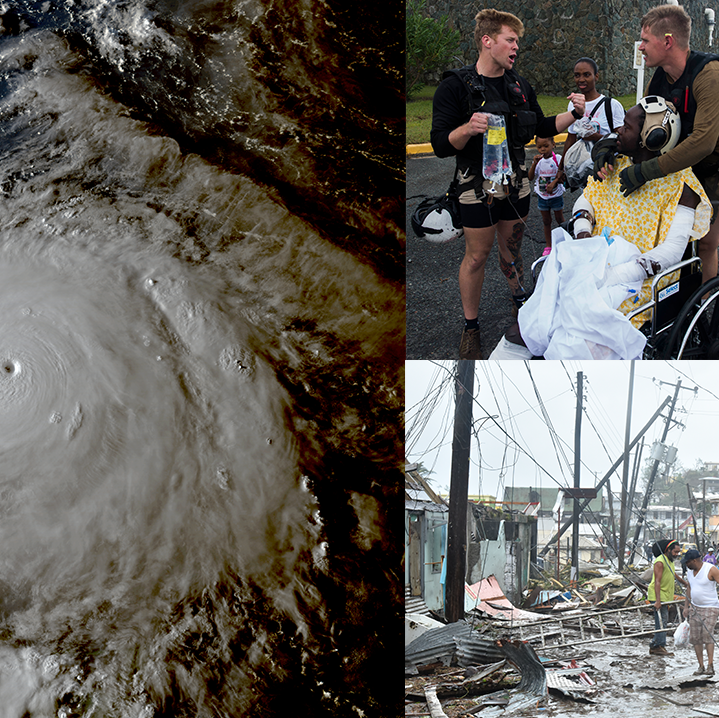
(680, 92)
(521, 121)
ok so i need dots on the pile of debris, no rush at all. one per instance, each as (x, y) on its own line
(488, 663)
(517, 681)
(609, 591)
(598, 584)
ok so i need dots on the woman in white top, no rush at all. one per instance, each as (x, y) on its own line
(586, 74)
(702, 593)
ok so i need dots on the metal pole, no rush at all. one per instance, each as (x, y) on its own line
(635, 473)
(635, 476)
(653, 473)
(559, 514)
(615, 543)
(692, 506)
(459, 485)
(606, 477)
(625, 474)
(704, 514)
(574, 575)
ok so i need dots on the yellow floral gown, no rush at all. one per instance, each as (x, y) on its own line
(644, 218)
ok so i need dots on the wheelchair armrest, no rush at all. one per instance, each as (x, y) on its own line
(536, 266)
(691, 249)
(654, 299)
(687, 262)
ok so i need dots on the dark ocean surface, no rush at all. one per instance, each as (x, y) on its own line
(201, 351)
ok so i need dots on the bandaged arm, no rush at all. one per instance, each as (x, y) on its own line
(584, 214)
(669, 252)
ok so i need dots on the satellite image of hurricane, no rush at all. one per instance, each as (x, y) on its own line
(201, 352)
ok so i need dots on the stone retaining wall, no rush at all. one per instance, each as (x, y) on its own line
(559, 32)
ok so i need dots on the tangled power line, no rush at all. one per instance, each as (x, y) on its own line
(500, 424)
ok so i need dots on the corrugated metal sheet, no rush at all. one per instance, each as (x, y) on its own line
(487, 596)
(435, 645)
(474, 649)
(419, 505)
(523, 656)
(416, 489)
(453, 643)
(415, 604)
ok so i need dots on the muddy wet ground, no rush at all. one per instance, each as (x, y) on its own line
(629, 683)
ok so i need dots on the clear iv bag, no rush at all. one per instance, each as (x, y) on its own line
(496, 164)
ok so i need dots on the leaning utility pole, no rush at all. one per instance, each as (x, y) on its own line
(604, 480)
(613, 532)
(653, 474)
(635, 476)
(692, 506)
(458, 490)
(574, 574)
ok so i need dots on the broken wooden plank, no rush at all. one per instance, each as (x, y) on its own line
(435, 707)
(493, 668)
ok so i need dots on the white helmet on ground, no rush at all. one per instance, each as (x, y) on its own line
(437, 220)
(662, 125)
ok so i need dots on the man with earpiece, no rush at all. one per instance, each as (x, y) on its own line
(690, 80)
(658, 219)
(570, 315)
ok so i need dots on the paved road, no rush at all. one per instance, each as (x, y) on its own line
(434, 311)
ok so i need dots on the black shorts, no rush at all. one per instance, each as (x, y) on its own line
(480, 215)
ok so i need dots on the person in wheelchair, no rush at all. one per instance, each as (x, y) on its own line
(622, 243)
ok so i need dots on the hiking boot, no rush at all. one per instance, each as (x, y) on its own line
(709, 670)
(700, 671)
(469, 346)
(659, 651)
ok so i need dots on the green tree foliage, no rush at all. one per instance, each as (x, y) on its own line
(431, 44)
(667, 486)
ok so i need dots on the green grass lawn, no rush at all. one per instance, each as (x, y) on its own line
(419, 112)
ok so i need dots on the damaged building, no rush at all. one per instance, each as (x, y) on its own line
(425, 529)
(500, 543)
(532, 642)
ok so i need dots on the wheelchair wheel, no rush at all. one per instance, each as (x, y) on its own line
(695, 333)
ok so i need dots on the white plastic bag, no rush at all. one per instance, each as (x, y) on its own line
(681, 635)
(578, 164)
(586, 127)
